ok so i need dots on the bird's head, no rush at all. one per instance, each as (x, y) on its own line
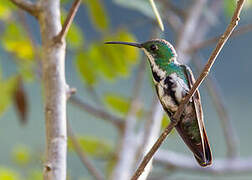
(157, 49)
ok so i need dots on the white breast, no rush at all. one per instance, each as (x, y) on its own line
(164, 98)
(180, 87)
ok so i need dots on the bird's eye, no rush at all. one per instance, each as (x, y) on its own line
(153, 47)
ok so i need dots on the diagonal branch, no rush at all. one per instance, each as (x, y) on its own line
(68, 21)
(27, 6)
(211, 60)
(83, 157)
(242, 30)
(118, 122)
(181, 107)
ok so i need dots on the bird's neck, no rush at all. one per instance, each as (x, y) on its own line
(168, 66)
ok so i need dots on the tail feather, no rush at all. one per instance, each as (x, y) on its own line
(202, 155)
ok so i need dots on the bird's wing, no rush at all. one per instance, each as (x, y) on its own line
(198, 110)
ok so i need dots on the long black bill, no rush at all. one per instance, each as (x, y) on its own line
(125, 43)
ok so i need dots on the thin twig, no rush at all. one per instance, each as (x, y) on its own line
(68, 21)
(147, 126)
(159, 20)
(27, 6)
(242, 30)
(186, 32)
(82, 155)
(171, 7)
(118, 122)
(202, 76)
(172, 19)
(212, 58)
(229, 132)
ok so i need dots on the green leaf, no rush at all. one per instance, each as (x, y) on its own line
(7, 89)
(5, 10)
(102, 63)
(229, 7)
(94, 146)
(1, 73)
(8, 174)
(121, 57)
(15, 40)
(98, 14)
(117, 103)
(64, 1)
(114, 57)
(35, 175)
(75, 37)
(165, 121)
(130, 53)
(26, 70)
(86, 68)
(108, 62)
(21, 155)
(110, 165)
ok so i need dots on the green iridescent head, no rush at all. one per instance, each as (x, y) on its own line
(157, 49)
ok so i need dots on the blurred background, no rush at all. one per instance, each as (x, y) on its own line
(105, 76)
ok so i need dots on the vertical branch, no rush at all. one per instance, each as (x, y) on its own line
(53, 65)
(151, 134)
(55, 87)
(188, 30)
(128, 148)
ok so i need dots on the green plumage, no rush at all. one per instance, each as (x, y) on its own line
(173, 81)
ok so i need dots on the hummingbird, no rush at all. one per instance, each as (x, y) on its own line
(172, 82)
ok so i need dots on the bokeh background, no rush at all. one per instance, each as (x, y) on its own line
(104, 76)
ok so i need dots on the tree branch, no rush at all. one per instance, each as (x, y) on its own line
(126, 159)
(181, 107)
(243, 29)
(55, 91)
(27, 6)
(68, 21)
(151, 134)
(83, 157)
(181, 162)
(118, 122)
(187, 31)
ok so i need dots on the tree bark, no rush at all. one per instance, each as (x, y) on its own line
(55, 90)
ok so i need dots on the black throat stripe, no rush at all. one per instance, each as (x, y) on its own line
(169, 90)
(156, 76)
